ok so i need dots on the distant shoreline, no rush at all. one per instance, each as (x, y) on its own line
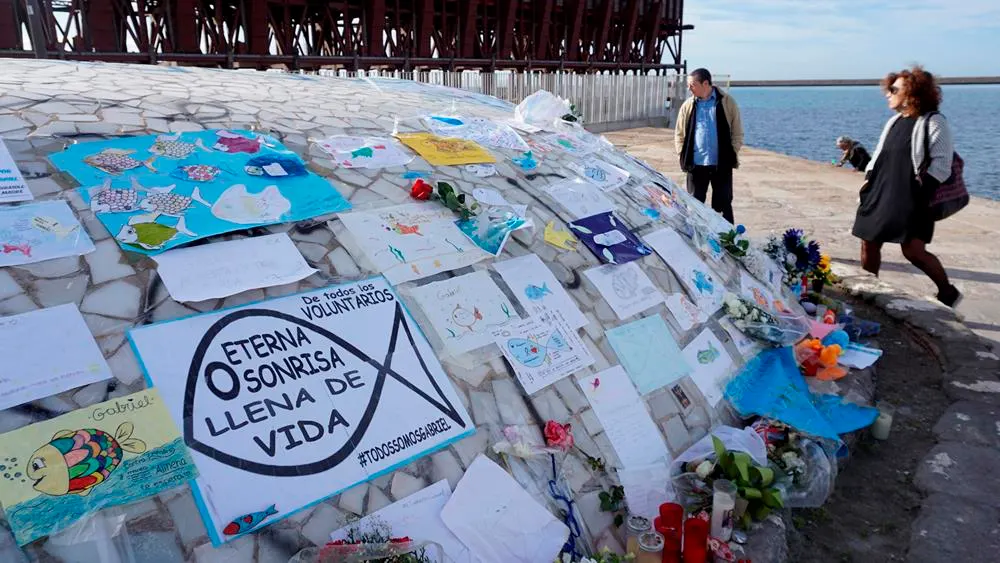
(858, 81)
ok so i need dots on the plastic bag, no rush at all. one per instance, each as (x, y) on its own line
(541, 109)
(817, 480)
(101, 536)
(745, 440)
(331, 553)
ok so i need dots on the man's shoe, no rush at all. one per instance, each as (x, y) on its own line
(950, 297)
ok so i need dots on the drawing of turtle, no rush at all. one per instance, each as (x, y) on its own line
(171, 146)
(114, 200)
(151, 235)
(76, 461)
(464, 318)
(116, 161)
(275, 166)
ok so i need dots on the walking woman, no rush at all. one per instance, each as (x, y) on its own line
(900, 179)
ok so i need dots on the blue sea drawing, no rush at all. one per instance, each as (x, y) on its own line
(533, 354)
(536, 293)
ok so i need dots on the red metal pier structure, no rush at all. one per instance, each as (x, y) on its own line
(568, 35)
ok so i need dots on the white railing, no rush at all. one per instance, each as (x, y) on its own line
(601, 98)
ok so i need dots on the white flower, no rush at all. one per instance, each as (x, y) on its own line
(705, 469)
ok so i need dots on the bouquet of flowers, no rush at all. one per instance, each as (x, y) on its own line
(821, 274)
(755, 322)
(734, 242)
(795, 253)
(373, 544)
(810, 474)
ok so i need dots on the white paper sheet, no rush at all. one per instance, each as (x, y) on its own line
(746, 345)
(537, 289)
(711, 365)
(579, 198)
(499, 521)
(606, 176)
(465, 310)
(858, 356)
(12, 184)
(632, 432)
(417, 516)
(757, 292)
(705, 287)
(625, 287)
(227, 268)
(646, 488)
(686, 313)
(542, 349)
(40, 231)
(47, 352)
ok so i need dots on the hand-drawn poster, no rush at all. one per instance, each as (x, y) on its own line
(606, 176)
(294, 399)
(411, 241)
(711, 365)
(574, 143)
(542, 349)
(40, 231)
(30, 371)
(686, 313)
(623, 415)
(111, 453)
(365, 152)
(747, 346)
(610, 240)
(579, 198)
(465, 310)
(491, 228)
(226, 268)
(12, 184)
(648, 353)
(626, 288)
(155, 192)
(445, 151)
(660, 203)
(705, 287)
(760, 294)
(477, 129)
(537, 289)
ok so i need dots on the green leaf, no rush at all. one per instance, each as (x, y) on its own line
(751, 493)
(742, 462)
(619, 520)
(719, 447)
(764, 475)
(745, 520)
(772, 498)
(461, 198)
(761, 512)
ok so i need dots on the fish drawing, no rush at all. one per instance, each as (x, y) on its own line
(229, 142)
(51, 225)
(162, 201)
(595, 173)
(115, 200)
(196, 172)
(703, 282)
(171, 146)
(24, 249)
(558, 238)
(465, 318)
(248, 522)
(758, 296)
(237, 205)
(151, 235)
(116, 161)
(536, 293)
(708, 355)
(526, 161)
(363, 152)
(275, 166)
(596, 383)
(401, 229)
(532, 354)
(76, 461)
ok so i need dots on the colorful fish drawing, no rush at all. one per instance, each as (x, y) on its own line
(531, 353)
(116, 161)
(152, 235)
(115, 200)
(595, 173)
(401, 229)
(275, 166)
(363, 152)
(526, 161)
(170, 146)
(703, 282)
(76, 461)
(536, 293)
(196, 172)
(248, 522)
(24, 249)
(464, 318)
(51, 225)
(708, 355)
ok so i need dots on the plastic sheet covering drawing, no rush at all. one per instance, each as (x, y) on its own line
(771, 385)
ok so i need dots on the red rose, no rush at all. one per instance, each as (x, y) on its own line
(421, 190)
(558, 435)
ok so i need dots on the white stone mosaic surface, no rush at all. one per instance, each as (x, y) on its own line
(46, 105)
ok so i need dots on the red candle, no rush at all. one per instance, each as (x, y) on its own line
(695, 540)
(671, 515)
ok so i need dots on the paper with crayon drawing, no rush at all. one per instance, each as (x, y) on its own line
(40, 231)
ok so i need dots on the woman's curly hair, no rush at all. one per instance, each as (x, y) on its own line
(921, 93)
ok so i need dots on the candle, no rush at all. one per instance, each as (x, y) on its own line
(883, 424)
(695, 540)
(723, 504)
(635, 526)
(650, 548)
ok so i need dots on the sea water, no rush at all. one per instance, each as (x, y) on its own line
(806, 121)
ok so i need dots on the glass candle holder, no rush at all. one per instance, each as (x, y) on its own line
(723, 504)
(635, 526)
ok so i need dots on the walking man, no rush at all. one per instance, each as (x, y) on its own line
(708, 138)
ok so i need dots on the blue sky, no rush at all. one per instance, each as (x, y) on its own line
(788, 39)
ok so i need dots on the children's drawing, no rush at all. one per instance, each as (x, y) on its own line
(465, 310)
(542, 349)
(704, 286)
(446, 151)
(411, 241)
(365, 152)
(560, 238)
(606, 176)
(491, 228)
(686, 313)
(746, 345)
(249, 522)
(187, 192)
(711, 364)
(526, 161)
(481, 170)
(477, 129)
(115, 452)
(626, 288)
(537, 289)
(752, 289)
(609, 239)
(648, 353)
(660, 202)
(576, 142)
(579, 198)
(40, 231)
